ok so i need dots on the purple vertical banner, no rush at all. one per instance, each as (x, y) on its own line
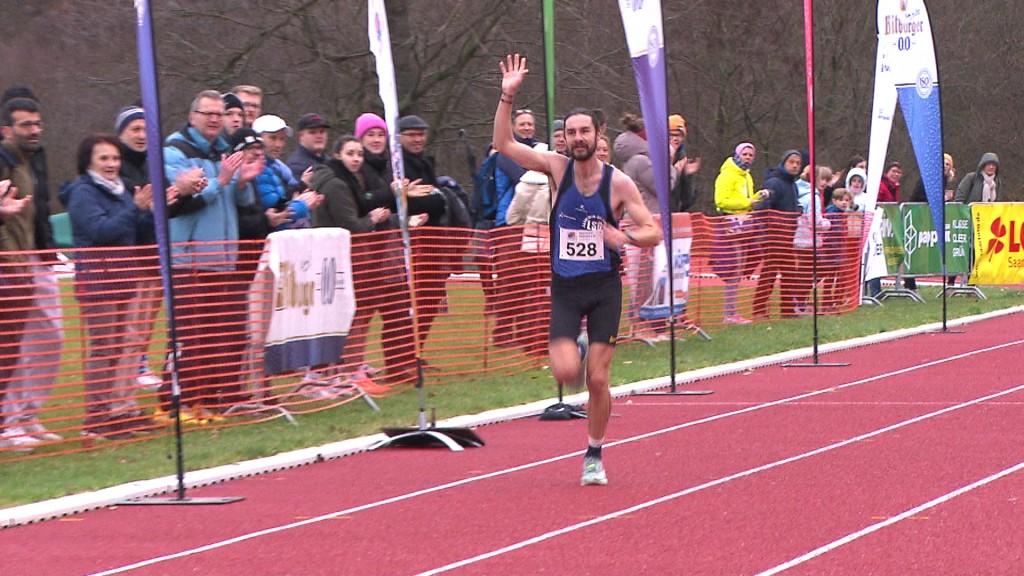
(641, 20)
(155, 159)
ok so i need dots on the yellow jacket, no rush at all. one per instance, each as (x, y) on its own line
(734, 189)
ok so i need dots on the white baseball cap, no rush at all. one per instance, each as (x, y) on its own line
(270, 123)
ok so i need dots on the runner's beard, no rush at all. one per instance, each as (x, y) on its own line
(585, 154)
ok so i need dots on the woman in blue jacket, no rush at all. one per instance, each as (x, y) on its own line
(106, 219)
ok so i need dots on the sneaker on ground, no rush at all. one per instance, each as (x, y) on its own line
(39, 432)
(368, 370)
(18, 439)
(735, 319)
(149, 381)
(593, 473)
(106, 432)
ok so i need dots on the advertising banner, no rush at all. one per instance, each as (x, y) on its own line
(998, 243)
(313, 298)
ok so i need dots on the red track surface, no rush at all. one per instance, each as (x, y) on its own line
(816, 464)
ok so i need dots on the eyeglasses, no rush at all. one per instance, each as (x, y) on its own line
(210, 114)
(253, 105)
(522, 111)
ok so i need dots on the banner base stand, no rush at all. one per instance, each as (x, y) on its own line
(183, 501)
(562, 411)
(900, 293)
(969, 291)
(431, 437)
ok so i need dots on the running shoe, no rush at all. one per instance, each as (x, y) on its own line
(593, 473)
(149, 381)
(39, 432)
(18, 439)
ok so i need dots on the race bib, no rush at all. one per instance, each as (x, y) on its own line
(581, 245)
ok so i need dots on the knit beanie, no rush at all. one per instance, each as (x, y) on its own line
(125, 116)
(367, 121)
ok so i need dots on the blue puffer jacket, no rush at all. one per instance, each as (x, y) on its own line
(100, 218)
(213, 218)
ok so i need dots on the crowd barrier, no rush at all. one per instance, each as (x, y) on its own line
(77, 332)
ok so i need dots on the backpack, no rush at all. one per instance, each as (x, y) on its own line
(456, 213)
(485, 197)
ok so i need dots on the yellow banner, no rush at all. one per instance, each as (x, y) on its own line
(998, 243)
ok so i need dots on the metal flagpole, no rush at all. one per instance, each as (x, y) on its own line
(424, 434)
(154, 158)
(809, 49)
(644, 25)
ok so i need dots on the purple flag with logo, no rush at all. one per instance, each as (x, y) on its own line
(641, 20)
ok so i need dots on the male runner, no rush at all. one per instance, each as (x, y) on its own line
(585, 246)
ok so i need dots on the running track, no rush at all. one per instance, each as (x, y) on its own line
(908, 461)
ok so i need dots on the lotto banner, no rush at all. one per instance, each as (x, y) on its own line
(998, 243)
(314, 300)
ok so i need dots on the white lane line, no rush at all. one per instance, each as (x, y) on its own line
(890, 521)
(458, 483)
(711, 484)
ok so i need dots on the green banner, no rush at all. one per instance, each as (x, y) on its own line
(920, 241)
(892, 236)
(959, 239)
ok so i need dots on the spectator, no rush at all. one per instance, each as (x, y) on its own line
(856, 179)
(312, 146)
(633, 155)
(432, 269)
(130, 128)
(558, 137)
(105, 214)
(524, 125)
(631, 152)
(213, 181)
(683, 194)
(604, 149)
(778, 228)
(14, 287)
(252, 101)
(735, 198)
(948, 175)
(889, 188)
(839, 259)
(23, 161)
(531, 208)
(234, 114)
(810, 227)
(275, 185)
(350, 205)
(372, 131)
(982, 185)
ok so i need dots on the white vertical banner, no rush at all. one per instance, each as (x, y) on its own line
(905, 72)
(380, 46)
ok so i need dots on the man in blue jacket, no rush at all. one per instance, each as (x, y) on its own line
(777, 217)
(213, 182)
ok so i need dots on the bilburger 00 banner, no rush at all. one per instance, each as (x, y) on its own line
(641, 20)
(906, 71)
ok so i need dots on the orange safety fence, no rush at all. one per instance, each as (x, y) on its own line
(85, 354)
